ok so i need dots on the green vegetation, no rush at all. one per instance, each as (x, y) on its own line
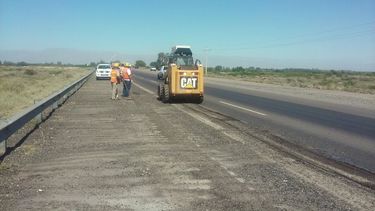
(153, 64)
(362, 82)
(160, 61)
(20, 86)
(140, 63)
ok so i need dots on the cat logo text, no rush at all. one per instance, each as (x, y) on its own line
(189, 82)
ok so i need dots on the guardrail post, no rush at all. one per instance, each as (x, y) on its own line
(39, 118)
(63, 99)
(55, 105)
(3, 147)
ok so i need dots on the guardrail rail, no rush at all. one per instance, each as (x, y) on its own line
(12, 125)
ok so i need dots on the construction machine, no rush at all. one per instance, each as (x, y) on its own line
(183, 79)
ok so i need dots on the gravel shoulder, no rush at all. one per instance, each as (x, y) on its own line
(97, 154)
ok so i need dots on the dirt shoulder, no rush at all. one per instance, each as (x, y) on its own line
(94, 153)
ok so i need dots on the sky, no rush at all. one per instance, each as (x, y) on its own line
(324, 34)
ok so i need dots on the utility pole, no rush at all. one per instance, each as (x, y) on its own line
(206, 50)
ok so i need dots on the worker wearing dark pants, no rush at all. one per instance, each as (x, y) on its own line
(126, 80)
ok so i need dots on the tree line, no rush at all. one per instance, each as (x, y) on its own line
(161, 60)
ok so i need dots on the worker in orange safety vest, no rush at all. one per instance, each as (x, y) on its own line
(115, 80)
(126, 76)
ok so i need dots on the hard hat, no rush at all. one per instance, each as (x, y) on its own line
(127, 64)
(116, 64)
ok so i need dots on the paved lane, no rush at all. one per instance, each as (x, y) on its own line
(340, 132)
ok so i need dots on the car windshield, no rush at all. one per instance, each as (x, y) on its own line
(104, 67)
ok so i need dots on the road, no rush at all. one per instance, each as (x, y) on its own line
(343, 133)
(94, 153)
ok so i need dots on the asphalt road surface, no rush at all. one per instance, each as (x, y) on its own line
(343, 133)
(94, 153)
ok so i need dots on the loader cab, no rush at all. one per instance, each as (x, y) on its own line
(182, 57)
(182, 51)
(183, 62)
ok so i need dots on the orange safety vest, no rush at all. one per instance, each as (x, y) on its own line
(114, 76)
(125, 74)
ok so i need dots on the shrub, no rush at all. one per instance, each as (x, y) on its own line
(238, 69)
(30, 72)
(349, 83)
(55, 72)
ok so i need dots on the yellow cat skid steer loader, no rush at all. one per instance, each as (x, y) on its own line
(183, 79)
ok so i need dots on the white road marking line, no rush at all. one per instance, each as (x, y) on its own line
(143, 88)
(246, 109)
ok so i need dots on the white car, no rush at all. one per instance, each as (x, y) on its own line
(103, 71)
(162, 72)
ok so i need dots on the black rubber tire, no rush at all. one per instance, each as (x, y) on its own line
(166, 97)
(199, 100)
(160, 91)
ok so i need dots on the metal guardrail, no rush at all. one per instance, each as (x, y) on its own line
(35, 112)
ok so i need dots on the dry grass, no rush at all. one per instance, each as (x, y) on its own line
(20, 87)
(330, 80)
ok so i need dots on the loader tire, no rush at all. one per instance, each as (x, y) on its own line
(199, 100)
(166, 96)
(160, 91)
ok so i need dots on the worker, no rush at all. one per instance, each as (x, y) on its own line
(115, 80)
(126, 75)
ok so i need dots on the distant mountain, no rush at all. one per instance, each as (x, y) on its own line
(72, 56)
